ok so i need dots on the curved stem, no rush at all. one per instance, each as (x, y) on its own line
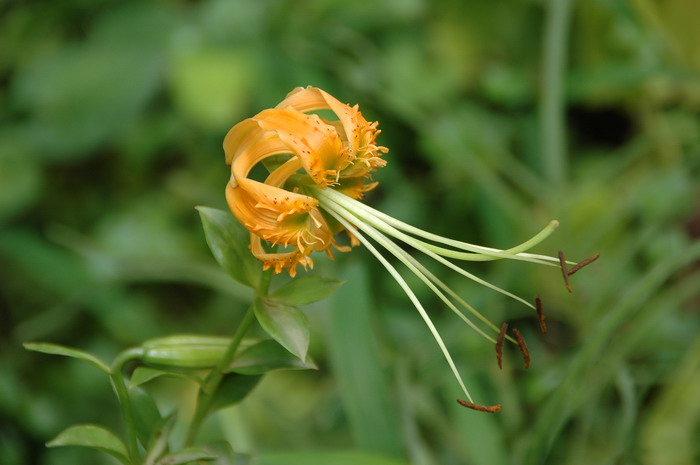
(122, 392)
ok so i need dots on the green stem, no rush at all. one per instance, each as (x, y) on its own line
(552, 103)
(125, 402)
(212, 381)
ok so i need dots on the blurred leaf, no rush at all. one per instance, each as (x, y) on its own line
(92, 436)
(211, 86)
(84, 93)
(143, 375)
(55, 349)
(267, 356)
(228, 241)
(305, 290)
(146, 414)
(360, 374)
(324, 458)
(20, 176)
(287, 325)
(185, 456)
(233, 389)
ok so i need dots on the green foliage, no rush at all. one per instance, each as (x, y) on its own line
(228, 240)
(55, 349)
(286, 324)
(92, 436)
(306, 290)
(112, 117)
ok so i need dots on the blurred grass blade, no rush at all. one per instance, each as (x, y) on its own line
(93, 436)
(55, 349)
(324, 458)
(362, 380)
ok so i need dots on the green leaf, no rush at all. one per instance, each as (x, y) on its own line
(228, 241)
(306, 290)
(233, 389)
(146, 414)
(92, 436)
(267, 356)
(360, 374)
(55, 349)
(143, 375)
(185, 456)
(324, 458)
(287, 325)
(158, 442)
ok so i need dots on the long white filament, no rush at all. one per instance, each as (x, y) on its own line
(369, 218)
(395, 274)
(514, 253)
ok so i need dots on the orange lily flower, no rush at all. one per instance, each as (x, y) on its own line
(339, 155)
(314, 194)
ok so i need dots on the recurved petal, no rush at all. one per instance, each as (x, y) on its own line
(281, 260)
(314, 142)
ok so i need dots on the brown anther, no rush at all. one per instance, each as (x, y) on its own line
(523, 347)
(499, 344)
(564, 271)
(480, 408)
(540, 314)
(583, 263)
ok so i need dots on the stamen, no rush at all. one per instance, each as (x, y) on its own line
(583, 263)
(418, 246)
(412, 297)
(564, 272)
(499, 344)
(480, 408)
(540, 314)
(523, 347)
(514, 253)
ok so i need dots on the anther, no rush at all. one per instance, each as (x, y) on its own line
(499, 344)
(480, 408)
(583, 263)
(523, 347)
(540, 314)
(564, 271)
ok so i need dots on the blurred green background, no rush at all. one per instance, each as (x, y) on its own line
(499, 114)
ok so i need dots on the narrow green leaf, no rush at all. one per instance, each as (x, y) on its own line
(158, 442)
(143, 375)
(324, 458)
(228, 241)
(55, 349)
(93, 436)
(146, 414)
(306, 290)
(185, 456)
(233, 389)
(287, 325)
(267, 356)
(361, 376)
